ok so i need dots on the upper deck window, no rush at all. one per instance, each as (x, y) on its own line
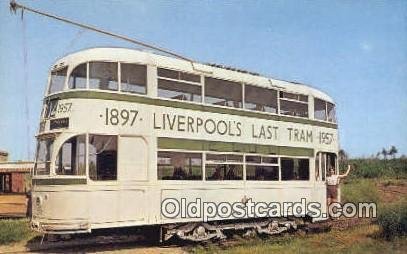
(133, 78)
(178, 75)
(260, 99)
(293, 104)
(103, 75)
(319, 109)
(331, 112)
(324, 110)
(57, 80)
(77, 79)
(188, 87)
(223, 93)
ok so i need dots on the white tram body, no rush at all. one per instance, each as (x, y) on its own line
(122, 130)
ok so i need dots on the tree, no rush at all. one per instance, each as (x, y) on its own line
(393, 151)
(343, 157)
(384, 153)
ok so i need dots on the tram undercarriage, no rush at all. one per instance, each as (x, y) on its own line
(199, 232)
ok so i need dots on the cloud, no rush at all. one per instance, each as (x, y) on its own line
(365, 46)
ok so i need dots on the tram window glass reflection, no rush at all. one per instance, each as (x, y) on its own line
(102, 157)
(319, 109)
(103, 75)
(262, 168)
(133, 78)
(179, 75)
(43, 160)
(179, 91)
(71, 157)
(179, 166)
(260, 99)
(331, 112)
(57, 80)
(223, 93)
(77, 79)
(294, 169)
(224, 167)
(293, 104)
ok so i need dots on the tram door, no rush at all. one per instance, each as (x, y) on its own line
(132, 176)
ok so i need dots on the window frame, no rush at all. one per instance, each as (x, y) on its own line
(120, 77)
(59, 68)
(278, 165)
(179, 180)
(242, 84)
(281, 91)
(102, 182)
(260, 87)
(200, 84)
(309, 180)
(57, 151)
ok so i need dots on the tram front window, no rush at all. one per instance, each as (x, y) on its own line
(71, 157)
(77, 79)
(57, 80)
(43, 159)
(102, 157)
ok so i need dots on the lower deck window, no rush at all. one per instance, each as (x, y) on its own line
(71, 157)
(102, 157)
(43, 157)
(224, 167)
(179, 166)
(261, 168)
(294, 169)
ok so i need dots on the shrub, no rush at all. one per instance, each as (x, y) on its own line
(14, 231)
(375, 168)
(392, 220)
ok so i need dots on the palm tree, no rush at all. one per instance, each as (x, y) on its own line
(393, 151)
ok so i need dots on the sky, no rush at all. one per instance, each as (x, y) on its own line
(356, 51)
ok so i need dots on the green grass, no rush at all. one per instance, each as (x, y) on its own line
(357, 240)
(15, 231)
(393, 220)
(360, 190)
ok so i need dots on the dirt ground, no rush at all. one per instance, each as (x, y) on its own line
(392, 192)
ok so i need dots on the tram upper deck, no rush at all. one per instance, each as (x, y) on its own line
(119, 91)
(139, 73)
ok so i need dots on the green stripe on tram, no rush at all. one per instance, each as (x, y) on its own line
(60, 181)
(184, 105)
(205, 145)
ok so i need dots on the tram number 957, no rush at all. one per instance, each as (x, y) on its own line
(114, 116)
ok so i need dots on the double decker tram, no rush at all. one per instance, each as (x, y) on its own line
(123, 130)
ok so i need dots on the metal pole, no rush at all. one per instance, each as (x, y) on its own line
(14, 6)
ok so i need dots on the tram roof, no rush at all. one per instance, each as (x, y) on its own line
(213, 70)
